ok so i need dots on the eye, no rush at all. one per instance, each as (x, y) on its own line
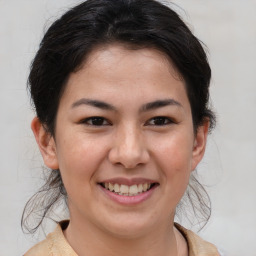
(159, 121)
(96, 121)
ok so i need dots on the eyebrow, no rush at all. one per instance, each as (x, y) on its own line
(159, 104)
(144, 108)
(93, 103)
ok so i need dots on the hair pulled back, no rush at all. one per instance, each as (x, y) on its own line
(135, 24)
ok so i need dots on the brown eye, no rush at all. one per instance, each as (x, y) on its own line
(96, 121)
(159, 121)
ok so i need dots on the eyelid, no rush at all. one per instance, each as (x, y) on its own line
(85, 121)
(169, 121)
(164, 121)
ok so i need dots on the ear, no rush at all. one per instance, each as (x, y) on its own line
(45, 143)
(200, 143)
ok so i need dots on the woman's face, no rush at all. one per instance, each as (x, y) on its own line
(124, 141)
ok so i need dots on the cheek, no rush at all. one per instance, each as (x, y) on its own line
(176, 151)
(174, 157)
(79, 159)
(176, 167)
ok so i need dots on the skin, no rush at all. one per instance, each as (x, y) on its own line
(128, 142)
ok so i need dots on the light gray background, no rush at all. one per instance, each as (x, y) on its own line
(228, 28)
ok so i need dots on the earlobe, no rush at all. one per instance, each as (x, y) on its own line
(200, 143)
(45, 143)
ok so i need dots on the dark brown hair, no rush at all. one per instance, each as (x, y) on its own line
(135, 24)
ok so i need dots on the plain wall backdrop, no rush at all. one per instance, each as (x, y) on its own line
(228, 28)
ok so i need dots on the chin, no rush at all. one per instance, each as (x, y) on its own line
(130, 227)
(128, 232)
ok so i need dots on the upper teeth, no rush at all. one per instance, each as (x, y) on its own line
(122, 189)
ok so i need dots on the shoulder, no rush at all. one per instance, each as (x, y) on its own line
(54, 244)
(41, 249)
(197, 246)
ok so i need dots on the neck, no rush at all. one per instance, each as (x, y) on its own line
(86, 239)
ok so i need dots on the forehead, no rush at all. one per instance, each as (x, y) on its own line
(115, 71)
(122, 55)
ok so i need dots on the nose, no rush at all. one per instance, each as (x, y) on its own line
(129, 148)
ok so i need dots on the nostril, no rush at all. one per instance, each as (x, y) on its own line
(128, 155)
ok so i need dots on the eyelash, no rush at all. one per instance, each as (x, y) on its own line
(166, 121)
(90, 121)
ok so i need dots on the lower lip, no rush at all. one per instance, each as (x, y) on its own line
(129, 200)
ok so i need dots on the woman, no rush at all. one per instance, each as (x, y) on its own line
(121, 90)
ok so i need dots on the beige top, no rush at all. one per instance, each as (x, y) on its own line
(55, 244)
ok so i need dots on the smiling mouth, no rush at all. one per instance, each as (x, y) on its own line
(125, 190)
